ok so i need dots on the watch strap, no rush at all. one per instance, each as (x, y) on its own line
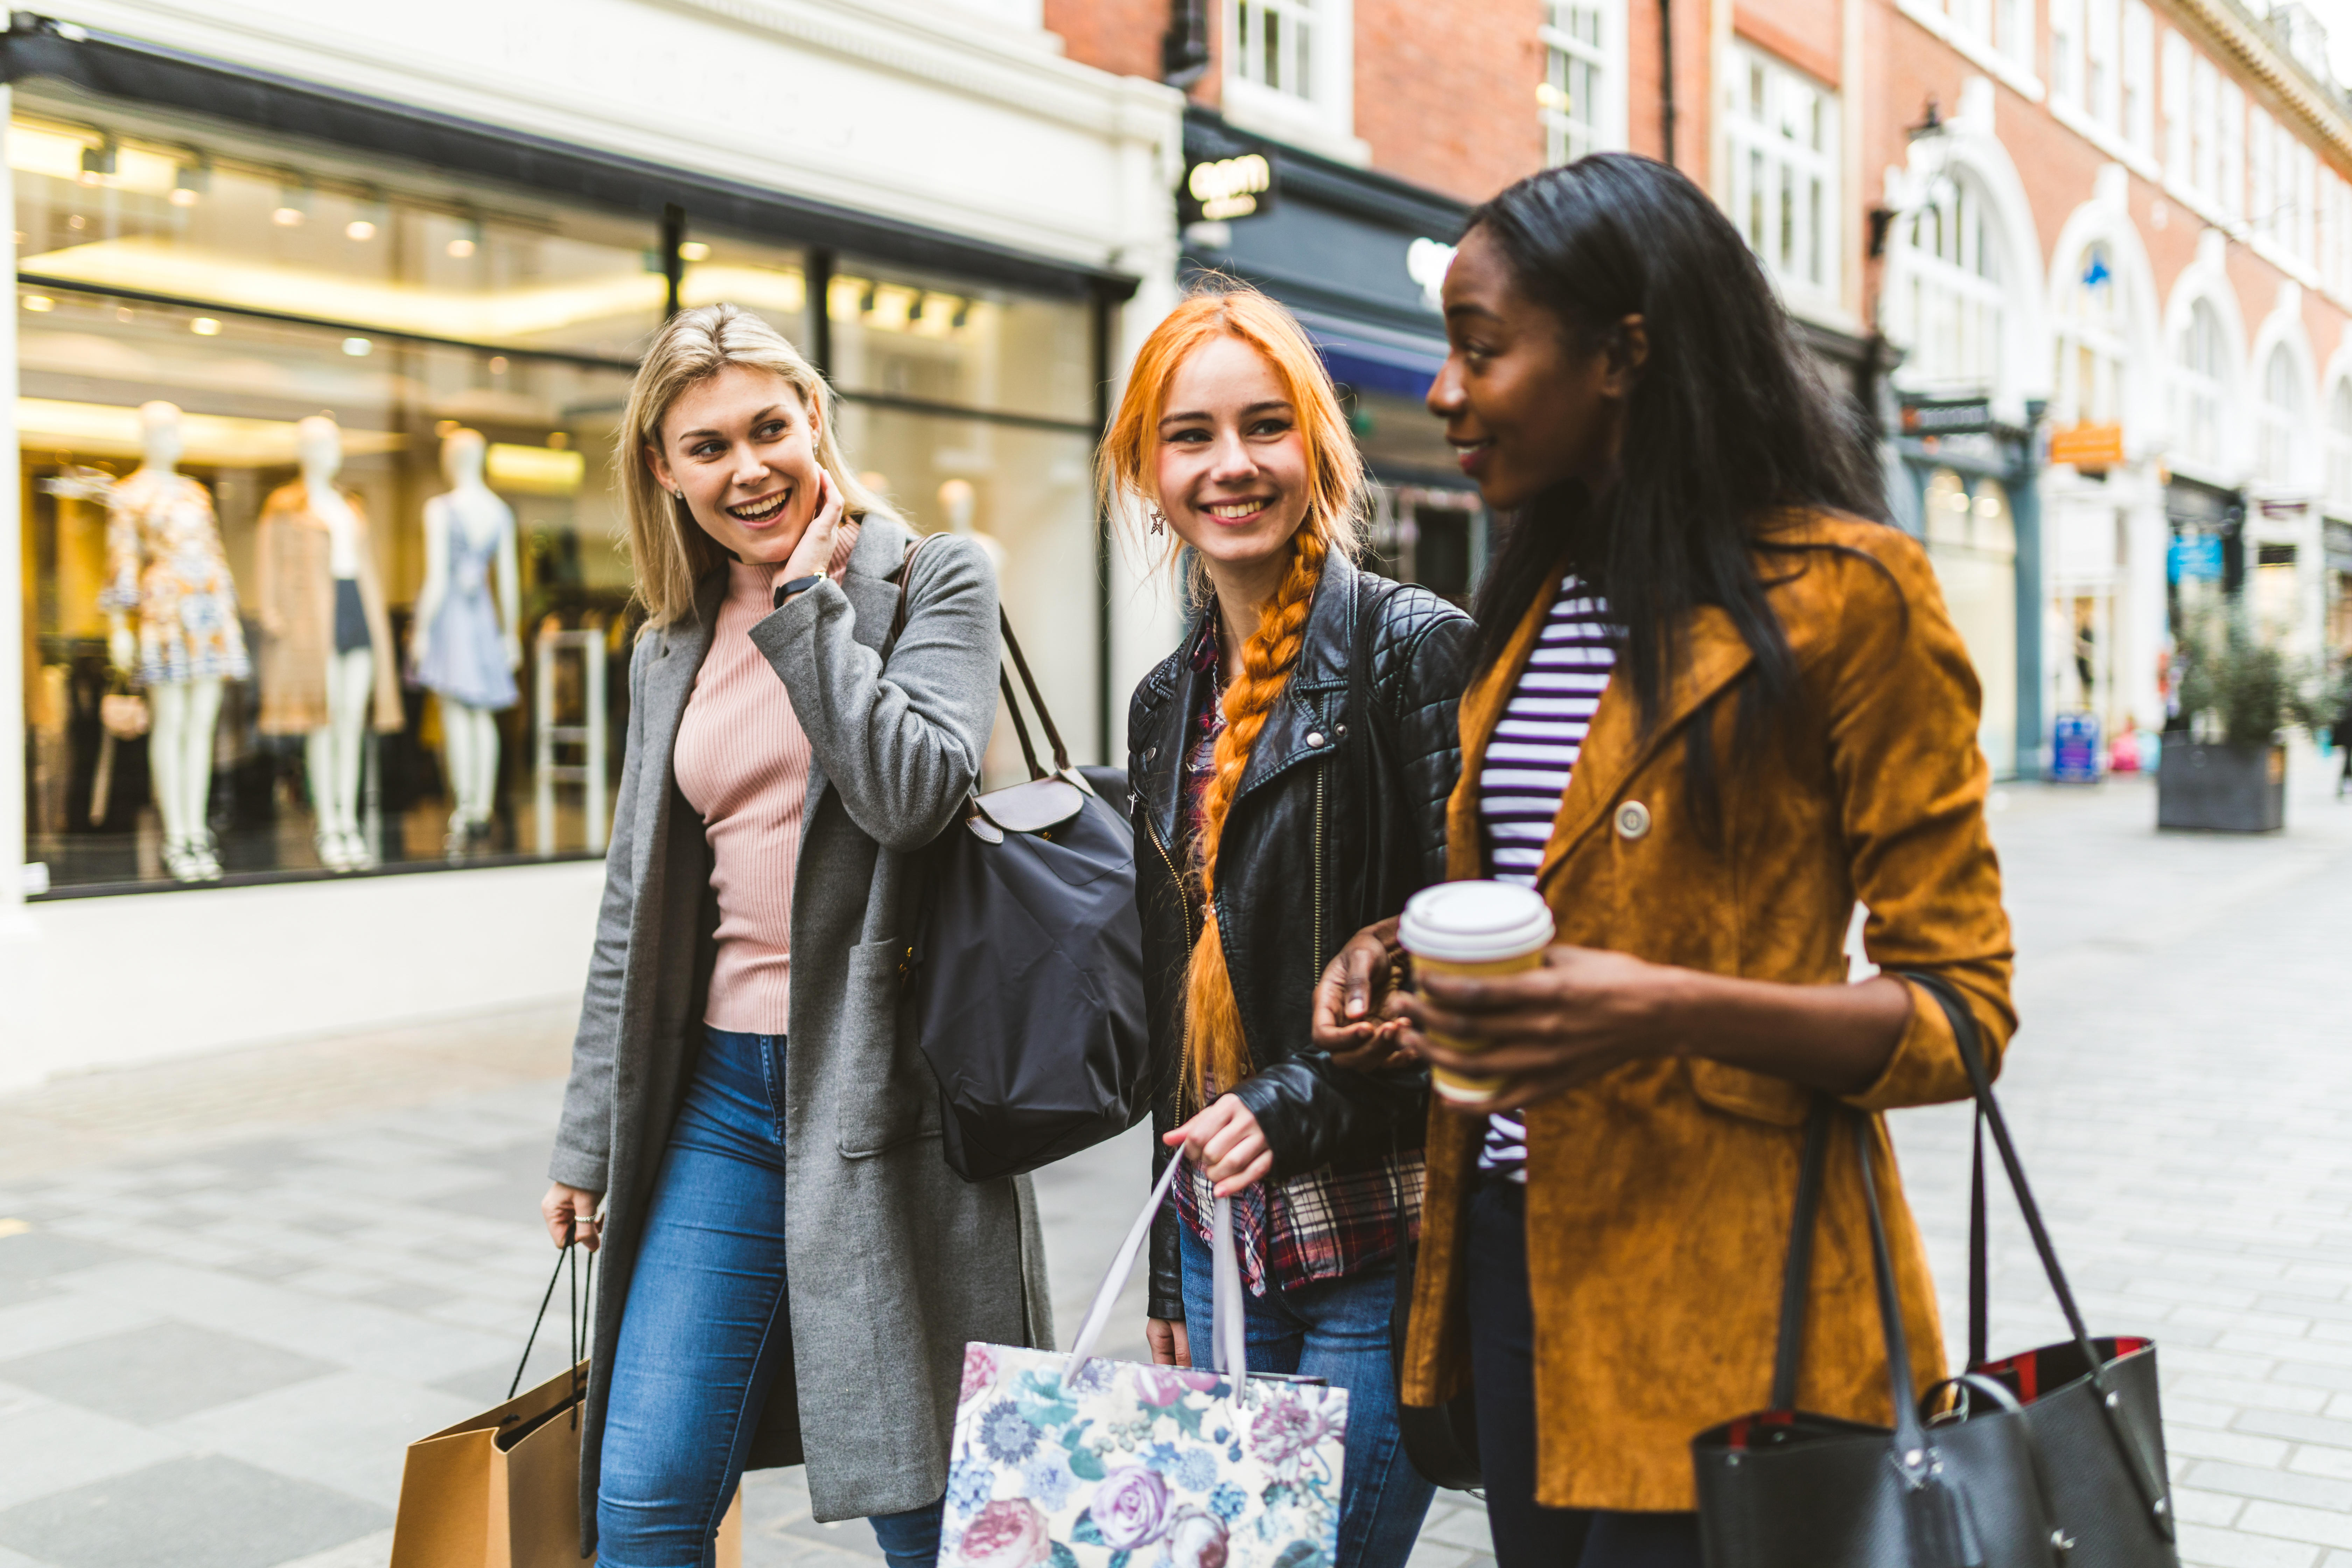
(797, 586)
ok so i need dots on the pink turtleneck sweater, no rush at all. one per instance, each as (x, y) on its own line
(742, 763)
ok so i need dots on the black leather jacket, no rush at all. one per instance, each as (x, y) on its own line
(1331, 830)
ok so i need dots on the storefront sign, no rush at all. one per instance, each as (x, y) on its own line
(2339, 545)
(2075, 749)
(1218, 190)
(2088, 445)
(1946, 417)
(534, 471)
(2194, 558)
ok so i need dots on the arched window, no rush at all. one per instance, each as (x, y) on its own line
(2091, 342)
(2200, 368)
(1953, 293)
(2339, 446)
(2281, 416)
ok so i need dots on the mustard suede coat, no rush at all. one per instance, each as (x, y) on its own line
(1659, 1195)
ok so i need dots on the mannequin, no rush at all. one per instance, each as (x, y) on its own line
(463, 649)
(165, 560)
(330, 640)
(958, 500)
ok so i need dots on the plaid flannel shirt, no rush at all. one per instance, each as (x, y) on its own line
(1322, 1225)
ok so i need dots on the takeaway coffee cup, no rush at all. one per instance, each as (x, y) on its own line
(1472, 929)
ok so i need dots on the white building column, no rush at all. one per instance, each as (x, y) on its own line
(2141, 614)
(21, 976)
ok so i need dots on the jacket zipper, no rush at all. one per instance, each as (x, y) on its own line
(1315, 958)
(1184, 1052)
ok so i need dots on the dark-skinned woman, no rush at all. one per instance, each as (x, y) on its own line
(1717, 705)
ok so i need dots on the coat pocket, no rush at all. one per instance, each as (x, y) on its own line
(896, 1101)
(1757, 1096)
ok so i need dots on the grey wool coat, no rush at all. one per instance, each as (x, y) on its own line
(893, 1262)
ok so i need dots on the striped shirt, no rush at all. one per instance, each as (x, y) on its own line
(1526, 770)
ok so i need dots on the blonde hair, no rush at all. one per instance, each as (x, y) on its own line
(669, 550)
(1216, 1049)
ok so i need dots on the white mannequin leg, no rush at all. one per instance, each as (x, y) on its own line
(196, 757)
(349, 689)
(167, 728)
(318, 761)
(482, 776)
(457, 756)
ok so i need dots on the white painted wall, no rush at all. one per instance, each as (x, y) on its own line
(147, 975)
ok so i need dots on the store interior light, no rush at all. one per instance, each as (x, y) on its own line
(39, 303)
(359, 229)
(204, 327)
(469, 239)
(497, 365)
(97, 162)
(694, 250)
(293, 206)
(357, 348)
(190, 181)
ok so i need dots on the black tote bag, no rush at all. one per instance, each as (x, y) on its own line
(2092, 1403)
(1026, 968)
(1782, 1487)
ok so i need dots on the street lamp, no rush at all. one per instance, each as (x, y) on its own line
(1932, 134)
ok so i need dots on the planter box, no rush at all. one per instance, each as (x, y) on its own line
(2220, 789)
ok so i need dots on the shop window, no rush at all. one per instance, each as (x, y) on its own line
(2339, 447)
(1949, 303)
(191, 297)
(1582, 67)
(1972, 543)
(2280, 418)
(1781, 127)
(2092, 343)
(2200, 377)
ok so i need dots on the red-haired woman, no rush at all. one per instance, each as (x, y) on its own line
(1272, 820)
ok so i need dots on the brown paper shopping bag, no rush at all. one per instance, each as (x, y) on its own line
(502, 1488)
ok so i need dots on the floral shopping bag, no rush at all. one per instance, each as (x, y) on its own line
(1073, 1461)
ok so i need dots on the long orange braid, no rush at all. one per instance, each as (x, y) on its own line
(1218, 1052)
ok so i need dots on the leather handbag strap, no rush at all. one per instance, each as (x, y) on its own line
(2153, 1488)
(1004, 681)
(1796, 1280)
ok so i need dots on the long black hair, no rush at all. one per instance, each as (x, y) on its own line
(1726, 426)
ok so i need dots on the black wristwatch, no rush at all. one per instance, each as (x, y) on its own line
(797, 586)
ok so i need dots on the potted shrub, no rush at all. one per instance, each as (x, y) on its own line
(2227, 772)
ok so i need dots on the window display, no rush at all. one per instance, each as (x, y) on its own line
(324, 558)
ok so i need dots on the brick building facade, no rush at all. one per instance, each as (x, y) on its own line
(2086, 263)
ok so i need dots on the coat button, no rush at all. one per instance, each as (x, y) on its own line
(1632, 820)
(1314, 737)
(1149, 753)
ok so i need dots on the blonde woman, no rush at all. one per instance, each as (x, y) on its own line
(791, 1270)
(1290, 763)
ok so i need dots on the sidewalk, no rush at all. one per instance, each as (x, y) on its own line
(232, 1290)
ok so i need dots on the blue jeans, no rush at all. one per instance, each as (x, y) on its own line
(707, 1324)
(1336, 1330)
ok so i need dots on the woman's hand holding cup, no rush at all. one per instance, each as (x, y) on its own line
(1577, 1013)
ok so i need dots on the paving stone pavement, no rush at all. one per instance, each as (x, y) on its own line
(233, 1289)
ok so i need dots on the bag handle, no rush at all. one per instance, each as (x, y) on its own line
(1004, 681)
(1228, 1341)
(1796, 1282)
(2155, 1490)
(580, 1324)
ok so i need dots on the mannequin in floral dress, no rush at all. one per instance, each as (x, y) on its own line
(166, 568)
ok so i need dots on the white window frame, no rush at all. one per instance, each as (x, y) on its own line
(2262, 178)
(1951, 297)
(2066, 52)
(2278, 426)
(1322, 116)
(2339, 446)
(2204, 130)
(2102, 55)
(1601, 128)
(2200, 391)
(2137, 113)
(2176, 111)
(2103, 403)
(1774, 181)
(2230, 151)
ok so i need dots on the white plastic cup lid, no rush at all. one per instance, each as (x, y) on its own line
(1475, 922)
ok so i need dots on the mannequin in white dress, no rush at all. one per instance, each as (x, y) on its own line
(462, 648)
(171, 569)
(333, 752)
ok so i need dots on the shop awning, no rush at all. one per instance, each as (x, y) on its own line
(1375, 359)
